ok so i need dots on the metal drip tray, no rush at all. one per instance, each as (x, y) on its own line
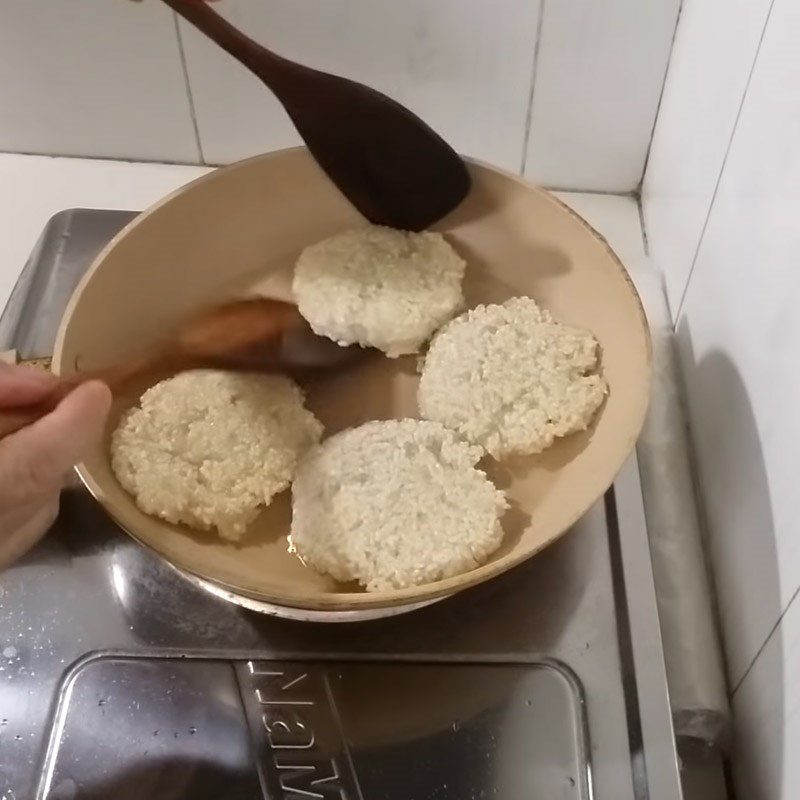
(131, 727)
(119, 677)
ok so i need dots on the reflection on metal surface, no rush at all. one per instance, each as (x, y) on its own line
(119, 582)
(67, 246)
(132, 727)
(403, 705)
(305, 614)
(469, 731)
(141, 728)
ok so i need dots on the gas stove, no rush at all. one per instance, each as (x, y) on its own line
(121, 677)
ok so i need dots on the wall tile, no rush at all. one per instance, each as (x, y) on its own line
(466, 71)
(601, 67)
(105, 79)
(740, 340)
(708, 72)
(767, 714)
(93, 77)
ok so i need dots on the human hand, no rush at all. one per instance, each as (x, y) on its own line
(35, 461)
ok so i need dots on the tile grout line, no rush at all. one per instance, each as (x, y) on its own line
(660, 98)
(765, 642)
(640, 209)
(189, 95)
(534, 67)
(724, 162)
(209, 165)
(112, 159)
(594, 192)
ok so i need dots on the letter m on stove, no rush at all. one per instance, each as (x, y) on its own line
(320, 780)
(306, 753)
(297, 687)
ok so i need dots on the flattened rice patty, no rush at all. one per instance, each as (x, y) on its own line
(510, 378)
(379, 287)
(208, 448)
(395, 504)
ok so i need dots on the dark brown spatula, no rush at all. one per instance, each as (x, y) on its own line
(392, 167)
(257, 334)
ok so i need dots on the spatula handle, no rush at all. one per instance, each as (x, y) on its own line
(118, 378)
(262, 62)
(15, 419)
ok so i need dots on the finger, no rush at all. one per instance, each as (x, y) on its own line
(15, 419)
(35, 460)
(21, 386)
(26, 528)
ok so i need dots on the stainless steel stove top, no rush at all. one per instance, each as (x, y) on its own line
(121, 678)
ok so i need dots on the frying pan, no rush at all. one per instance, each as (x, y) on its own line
(239, 230)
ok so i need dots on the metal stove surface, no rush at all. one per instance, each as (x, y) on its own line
(119, 677)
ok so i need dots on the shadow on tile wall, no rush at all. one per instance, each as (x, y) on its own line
(731, 431)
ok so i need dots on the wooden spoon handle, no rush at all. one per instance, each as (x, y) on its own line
(14, 419)
(262, 62)
(118, 378)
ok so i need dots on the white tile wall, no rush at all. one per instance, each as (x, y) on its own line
(93, 77)
(739, 334)
(767, 705)
(702, 95)
(467, 74)
(106, 78)
(599, 77)
(741, 314)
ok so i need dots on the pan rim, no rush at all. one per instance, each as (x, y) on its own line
(348, 601)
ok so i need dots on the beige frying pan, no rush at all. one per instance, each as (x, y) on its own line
(239, 229)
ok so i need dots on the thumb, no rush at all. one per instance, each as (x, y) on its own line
(35, 460)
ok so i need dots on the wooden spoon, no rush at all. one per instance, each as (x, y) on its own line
(391, 166)
(254, 335)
